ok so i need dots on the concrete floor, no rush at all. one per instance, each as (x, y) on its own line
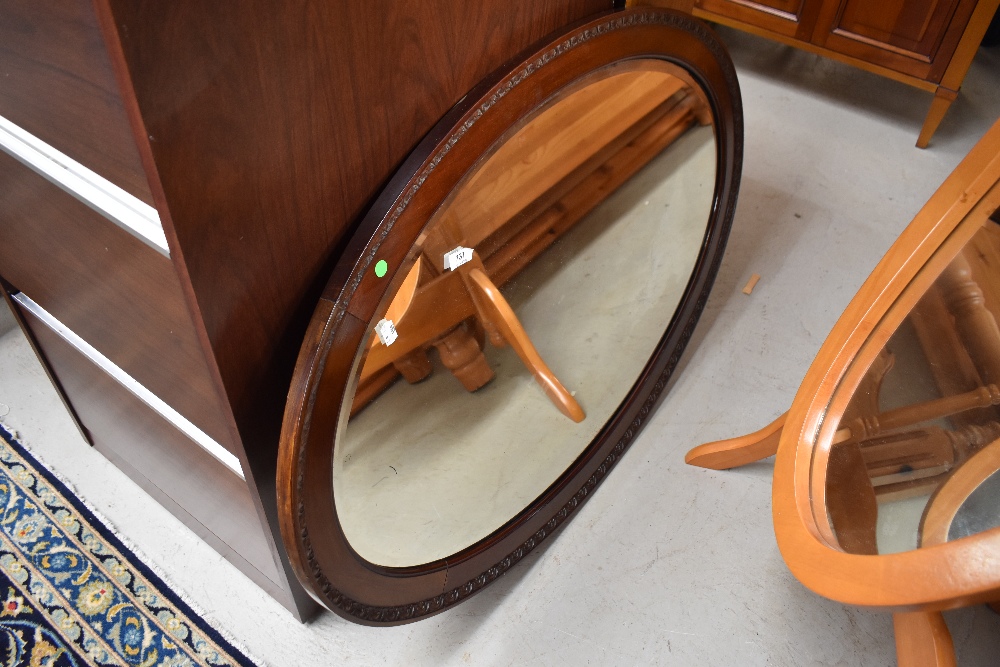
(667, 564)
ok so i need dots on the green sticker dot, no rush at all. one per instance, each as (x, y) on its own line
(381, 268)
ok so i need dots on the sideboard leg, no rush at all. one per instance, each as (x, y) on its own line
(939, 107)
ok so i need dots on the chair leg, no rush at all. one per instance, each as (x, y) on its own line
(735, 452)
(923, 640)
(939, 107)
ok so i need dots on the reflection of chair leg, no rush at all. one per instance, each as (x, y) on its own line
(923, 640)
(498, 312)
(735, 452)
(462, 355)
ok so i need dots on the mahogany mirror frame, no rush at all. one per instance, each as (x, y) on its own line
(326, 564)
(958, 573)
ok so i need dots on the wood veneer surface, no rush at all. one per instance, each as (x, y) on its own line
(59, 86)
(915, 38)
(911, 26)
(206, 496)
(117, 293)
(792, 18)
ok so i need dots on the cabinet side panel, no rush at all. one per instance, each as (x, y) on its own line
(206, 496)
(58, 85)
(116, 292)
(273, 125)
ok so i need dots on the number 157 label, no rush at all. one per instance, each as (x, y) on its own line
(457, 257)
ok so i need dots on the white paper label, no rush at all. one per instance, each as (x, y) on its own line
(386, 332)
(457, 257)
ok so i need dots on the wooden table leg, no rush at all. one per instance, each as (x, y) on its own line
(735, 452)
(923, 640)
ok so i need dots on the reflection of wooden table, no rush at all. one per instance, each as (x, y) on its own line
(531, 190)
(421, 318)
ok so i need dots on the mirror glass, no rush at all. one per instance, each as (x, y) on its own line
(524, 313)
(914, 455)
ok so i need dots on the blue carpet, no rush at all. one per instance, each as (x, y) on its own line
(72, 594)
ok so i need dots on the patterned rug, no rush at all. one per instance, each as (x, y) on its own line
(72, 594)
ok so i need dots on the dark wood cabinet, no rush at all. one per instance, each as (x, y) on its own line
(219, 158)
(928, 44)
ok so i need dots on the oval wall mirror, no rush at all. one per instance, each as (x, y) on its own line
(508, 314)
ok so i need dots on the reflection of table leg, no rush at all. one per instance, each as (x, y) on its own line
(975, 323)
(415, 366)
(496, 311)
(923, 640)
(461, 354)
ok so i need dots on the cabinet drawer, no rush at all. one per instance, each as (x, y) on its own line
(202, 492)
(59, 86)
(116, 292)
(784, 17)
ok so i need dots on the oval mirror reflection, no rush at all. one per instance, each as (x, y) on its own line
(525, 313)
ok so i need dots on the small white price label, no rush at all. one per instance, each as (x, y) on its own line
(386, 332)
(457, 257)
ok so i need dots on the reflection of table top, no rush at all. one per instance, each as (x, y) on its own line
(578, 132)
(530, 191)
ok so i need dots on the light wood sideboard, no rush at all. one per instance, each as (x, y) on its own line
(928, 44)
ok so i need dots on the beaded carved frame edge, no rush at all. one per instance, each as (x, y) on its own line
(396, 614)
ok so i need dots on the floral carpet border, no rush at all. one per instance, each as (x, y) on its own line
(71, 593)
